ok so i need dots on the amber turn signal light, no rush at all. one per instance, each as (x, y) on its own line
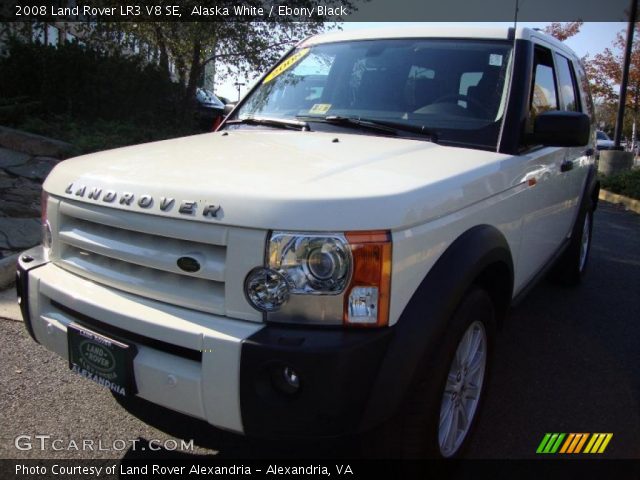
(367, 296)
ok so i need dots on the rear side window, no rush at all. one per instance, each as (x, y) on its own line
(567, 82)
(585, 91)
(544, 95)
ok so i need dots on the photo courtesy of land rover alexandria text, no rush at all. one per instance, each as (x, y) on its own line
(337, 257)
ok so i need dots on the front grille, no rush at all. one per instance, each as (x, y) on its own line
(137, 253)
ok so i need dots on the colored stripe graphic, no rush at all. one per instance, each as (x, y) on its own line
(596, 445)
(556, 445)
(598, 442)
(581, 443)
(591, 442)
(550, 443)
(577, 437)
(544, 441)
(567, 442)
(573, 443)
(606, 442)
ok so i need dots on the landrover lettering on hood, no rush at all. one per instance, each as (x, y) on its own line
(166, 204)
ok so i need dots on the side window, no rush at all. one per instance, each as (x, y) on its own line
(544, 95)
(585, 90)
(566, 79)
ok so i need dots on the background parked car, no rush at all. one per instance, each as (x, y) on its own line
(209, 108)
(603, 142)
(225, 100)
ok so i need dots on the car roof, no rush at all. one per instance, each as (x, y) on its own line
(466, 32)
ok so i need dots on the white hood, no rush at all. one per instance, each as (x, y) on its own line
(276, 179)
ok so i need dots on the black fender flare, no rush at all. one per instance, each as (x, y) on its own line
(592, 187)
(425, 318)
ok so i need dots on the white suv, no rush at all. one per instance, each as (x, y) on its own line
(336, 258)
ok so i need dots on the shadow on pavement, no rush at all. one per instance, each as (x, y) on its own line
(227, 445)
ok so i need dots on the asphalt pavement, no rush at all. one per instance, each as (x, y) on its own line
(567, 361)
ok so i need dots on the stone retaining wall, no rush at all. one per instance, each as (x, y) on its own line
(25, 161)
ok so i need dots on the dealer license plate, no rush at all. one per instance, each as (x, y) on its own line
(106, 361)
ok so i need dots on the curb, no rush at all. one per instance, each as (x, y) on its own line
(630, 203)
(8, 270)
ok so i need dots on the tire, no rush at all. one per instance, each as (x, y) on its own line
(571, 266)
(417, 431)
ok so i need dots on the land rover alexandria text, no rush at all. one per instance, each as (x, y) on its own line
(336, 258)
(166, 470)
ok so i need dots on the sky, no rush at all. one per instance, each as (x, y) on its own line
(593, 38)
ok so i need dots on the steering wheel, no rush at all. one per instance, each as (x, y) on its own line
(465, 98)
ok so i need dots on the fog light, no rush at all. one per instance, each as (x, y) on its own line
(266, 289)
(291, 377)
(285, 379)
(363, 305)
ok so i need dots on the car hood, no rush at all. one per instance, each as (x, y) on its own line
(278, 179)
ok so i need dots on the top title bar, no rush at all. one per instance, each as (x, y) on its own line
(314, 11)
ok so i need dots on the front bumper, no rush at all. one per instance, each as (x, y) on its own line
(336, 371)
(210, 367)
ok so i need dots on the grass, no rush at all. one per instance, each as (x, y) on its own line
(625, 183)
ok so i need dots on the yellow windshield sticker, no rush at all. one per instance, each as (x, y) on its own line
(320, 108)
(286, 65)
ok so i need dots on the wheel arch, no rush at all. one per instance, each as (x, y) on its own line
(479, 256)
(592, 187)
(497, 280)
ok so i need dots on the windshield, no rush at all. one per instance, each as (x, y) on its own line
(602, 136)
(453, 89)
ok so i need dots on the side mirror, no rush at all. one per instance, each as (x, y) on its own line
(561, 129)
(228, 108)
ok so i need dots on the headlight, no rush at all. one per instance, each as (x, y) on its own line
(312, 264)
(348, 276)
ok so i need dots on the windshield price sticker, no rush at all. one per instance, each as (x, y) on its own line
(286, 65)
(320, 108)
(495, 60)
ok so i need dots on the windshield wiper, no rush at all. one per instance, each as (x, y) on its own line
(394, 128)
(272, 122)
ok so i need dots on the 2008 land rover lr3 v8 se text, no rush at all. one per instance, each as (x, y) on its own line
(336, 258)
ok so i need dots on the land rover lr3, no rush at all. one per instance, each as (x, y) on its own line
(337, 256)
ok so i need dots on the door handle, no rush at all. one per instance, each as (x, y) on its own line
(566, 166)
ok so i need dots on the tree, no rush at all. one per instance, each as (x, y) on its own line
(605, 72)
(244, 46)
(562, 31)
